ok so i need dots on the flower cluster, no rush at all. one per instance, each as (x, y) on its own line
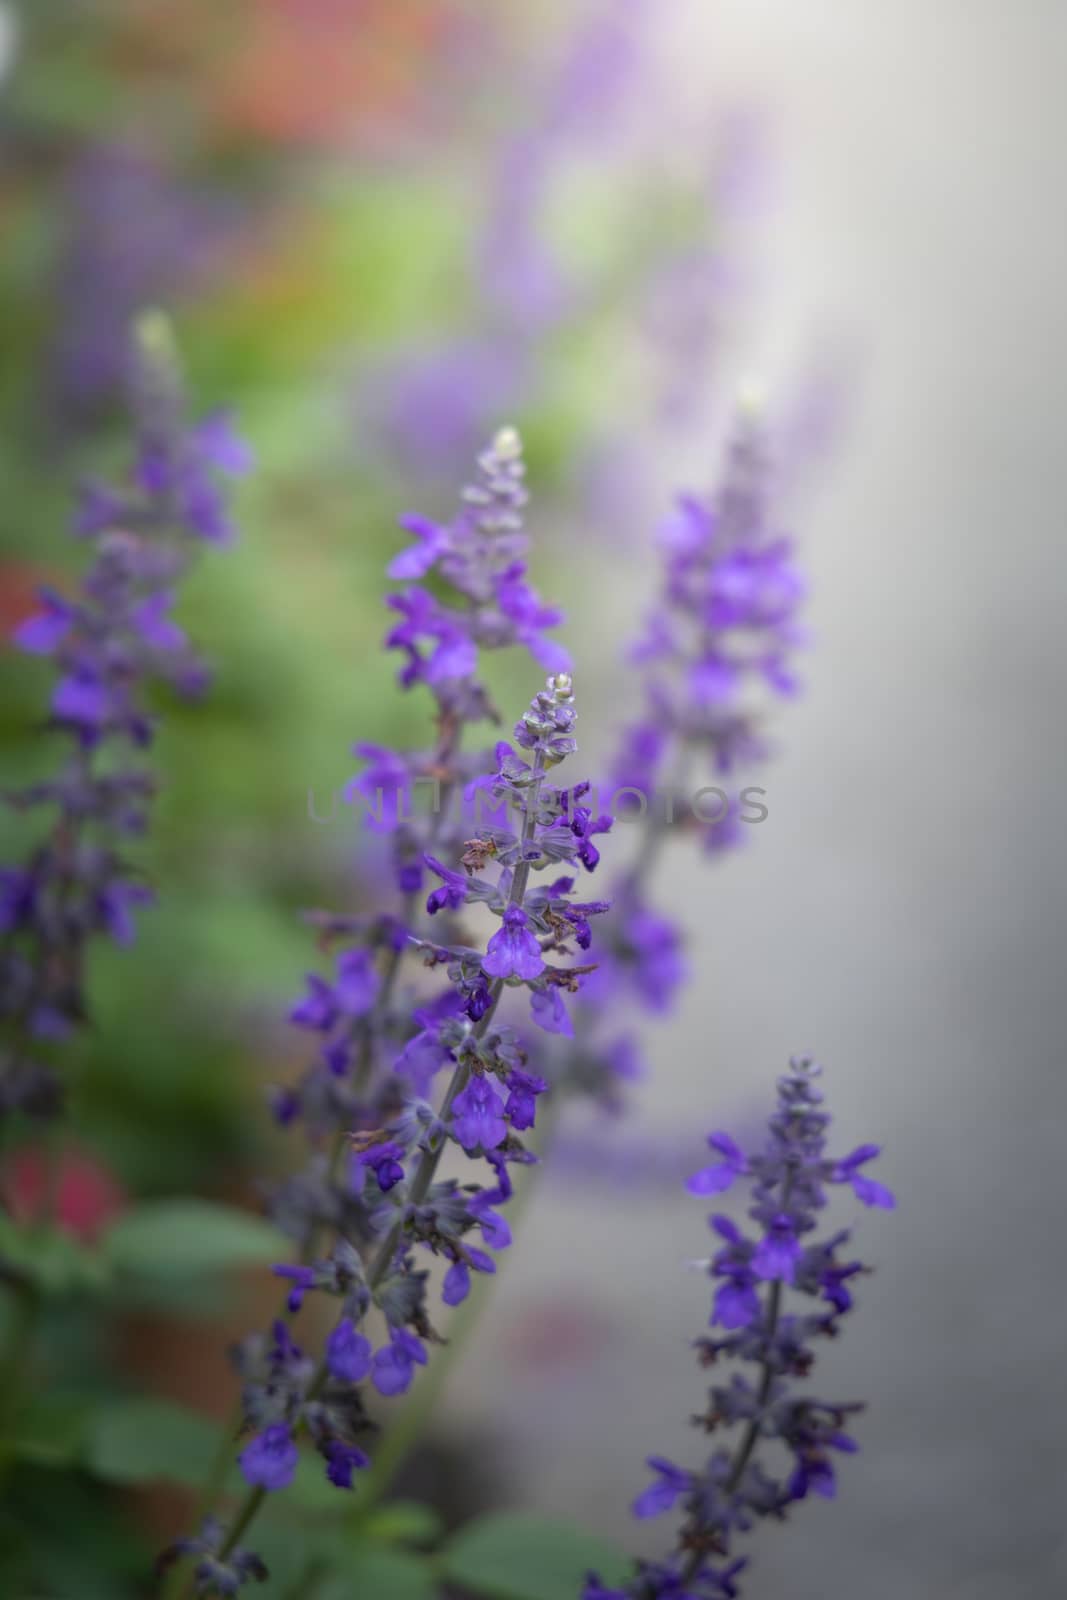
(391, 1205)
(724, 628)
(214, 1573)
(109, 645)
(715, 647)
(479, 554)
(751, 1324)
(481, 600)
(368, 1198)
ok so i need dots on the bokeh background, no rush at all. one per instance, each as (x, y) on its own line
(381, 228)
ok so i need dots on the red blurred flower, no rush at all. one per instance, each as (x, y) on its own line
(19, 582)
(72, 1187)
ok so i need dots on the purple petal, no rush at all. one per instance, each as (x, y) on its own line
(39, 635)
(711, 1180)
(457, 1284)
(873, 1194)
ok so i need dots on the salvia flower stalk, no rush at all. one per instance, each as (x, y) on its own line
(715, 653)
(366, 1054)
(109, 645)
(769, 1413)
(395, 1207)
(369, 1200)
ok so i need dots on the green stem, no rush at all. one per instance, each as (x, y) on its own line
(247, 1514)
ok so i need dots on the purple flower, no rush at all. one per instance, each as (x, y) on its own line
(348, 1353)
(453, 891)
(82, 697)
(521, 1106)
(548, 1010)
(114, 908)
(357, 984)
(337, 1054)
(479, 556)
(271, 1460)
(723, 628)
(394, 1365)
(478, 1002)
(284, 1104)
(153, 622)
(813, 1474)
(457, 1284)
(864, 1188)
(717, 1179)
(109, 646)
(478, 1116)
(640, 756)
(530, 617)
(742, 1481)
(662, 1494)
(623, 1059)
(99, 509)
(342, 1460)
(318, 1009)
(223, 446)
(653, 948)
(416, 561)
(385, 787)
(41, 635)
(302, 1279)
(211, 1574)
(778, 1252)
(584, 825)
(513, 952)
(16, 897)
(384, 1161)
(183, 475)
(422, 1058)
(736, 1302)
(494, 1227)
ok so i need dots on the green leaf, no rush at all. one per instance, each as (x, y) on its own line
(511, 1555)
(400, 1522)
(190, 1236)
(51, 1430)
(135, 1440)
(370, 1570)
(51, 1259)
(76, 1540)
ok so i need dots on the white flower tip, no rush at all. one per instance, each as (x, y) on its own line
(751, 398)
(507, 443)
(155, 335)
(561, 685)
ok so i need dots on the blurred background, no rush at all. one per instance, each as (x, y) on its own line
(381, 228)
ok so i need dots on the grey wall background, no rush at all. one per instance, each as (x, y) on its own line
(902, 912)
